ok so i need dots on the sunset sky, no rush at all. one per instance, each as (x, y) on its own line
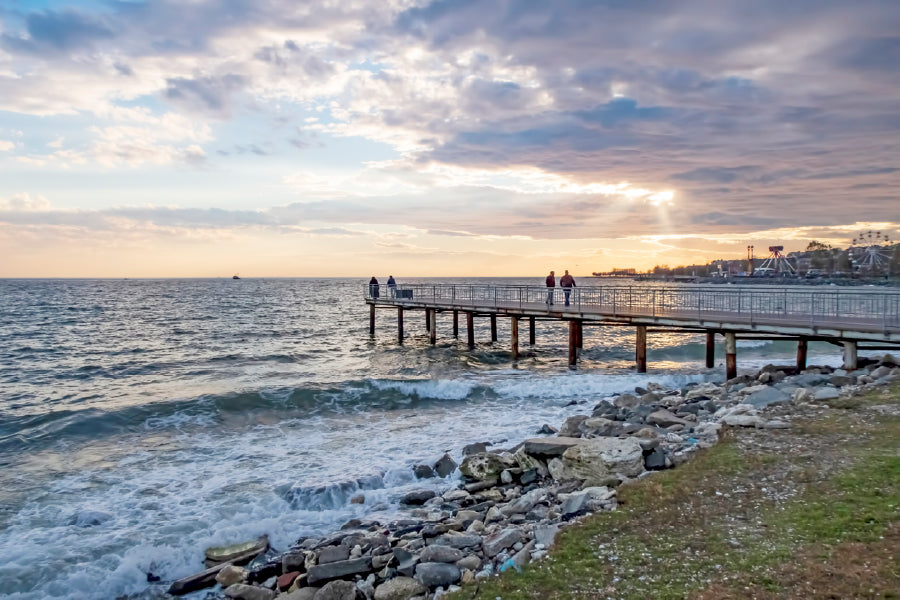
(203, 138)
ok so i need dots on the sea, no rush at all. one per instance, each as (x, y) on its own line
(145, 420)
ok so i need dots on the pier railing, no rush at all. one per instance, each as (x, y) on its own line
(874, 309)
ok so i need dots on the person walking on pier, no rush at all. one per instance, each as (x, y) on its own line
(373, 287)
(392, 286)
(567, 282)
(551, 283)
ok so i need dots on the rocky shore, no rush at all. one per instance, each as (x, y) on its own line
(512, 502)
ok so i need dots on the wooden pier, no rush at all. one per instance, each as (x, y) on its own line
(846, 317)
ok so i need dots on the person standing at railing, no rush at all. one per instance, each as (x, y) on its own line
(373, 287)
(551, 283)
(567, 282)
(392, 286)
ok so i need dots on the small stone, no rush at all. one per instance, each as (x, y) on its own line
(358, 499)
(230, 575)
(242, 591)
(338, 590)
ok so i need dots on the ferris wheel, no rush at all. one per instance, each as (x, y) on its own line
(869, 252)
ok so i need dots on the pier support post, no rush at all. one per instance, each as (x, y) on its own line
(400, 324)
(428, 319)
(371, 319)
(579, 331)
(573, 343)
(531, 330)
(455, 323)
(470, 329)
(514, 336)
(493, 328)
(802, 345)
(710, 348)
(730, 355)
(432, 327)
(849, 355)
(640, 348)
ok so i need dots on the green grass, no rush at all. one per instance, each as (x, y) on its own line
(712, 521)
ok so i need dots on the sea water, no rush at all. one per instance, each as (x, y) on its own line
(142, 421)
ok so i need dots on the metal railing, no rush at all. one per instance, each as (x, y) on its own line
(786, 306)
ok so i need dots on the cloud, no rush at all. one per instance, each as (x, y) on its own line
(6, 146)
(53, 32)
(25, 203)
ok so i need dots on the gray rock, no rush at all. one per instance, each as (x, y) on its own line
(626, 401)
(766, 397)
(423, 471)
(603, 461)
(399, 588)
(809, 379)
(445, 466)
(455, 539)
(550, 446)
(571, 426)
(241, 591)
(477, 448)
(523, 503)
(744, 420)
(339, 570)
(437, 574)
(547, 430)
(339, 590)
(406, 561)
(417, 497)
(440, 554)
(841, 380)
(89, 518)
(546, 535)
(330, 554)
(826, 393)
(304, 593)
(230, 575)
(656, 460)
(471, 562)
(664, 418)
(882, 371)
(501, 540)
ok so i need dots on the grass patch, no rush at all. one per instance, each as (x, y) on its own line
(765, 513)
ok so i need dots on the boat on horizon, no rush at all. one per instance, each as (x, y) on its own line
(235, 277)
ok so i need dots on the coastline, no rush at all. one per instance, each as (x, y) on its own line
(513, 501)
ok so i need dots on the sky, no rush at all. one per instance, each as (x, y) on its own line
(331, 138)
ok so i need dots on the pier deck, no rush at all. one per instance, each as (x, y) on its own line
(844, 316)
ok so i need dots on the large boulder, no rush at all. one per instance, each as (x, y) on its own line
(501, 540)
(437, 574)
(485, 466)
(339, 570)
(765, 397)
(664, 418)
(445, 466)
(571, 426)
(555, 446)
(604, 461)
(440, 554)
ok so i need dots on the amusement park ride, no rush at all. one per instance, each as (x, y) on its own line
(868, 254)
(777, 264)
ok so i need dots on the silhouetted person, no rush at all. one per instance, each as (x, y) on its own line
(373, 287)
(392, 285)
(551, 283)
(567, 282)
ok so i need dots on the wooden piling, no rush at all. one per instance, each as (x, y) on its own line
(371, 319)
(580, 333)
(470, 329)
(428, 319)
(531, 331)
(455, 324)
(432, 327)
(710, 348)
(400, 324)
(640, 348)
(573, 343)
(514, 336)
(850, 357)
(493, 328)
(730, 355)
(802, 345)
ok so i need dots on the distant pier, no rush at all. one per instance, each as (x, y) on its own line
(853, 319)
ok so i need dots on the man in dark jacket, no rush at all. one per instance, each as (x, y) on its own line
(551, 283)
(567, 282)
(373, 287)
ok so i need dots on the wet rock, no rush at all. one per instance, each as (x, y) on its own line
(547, 430)
(550, 446)
(89, 518)
(626, 401)
(423, 472)
(417, 497)
(476, 448)
(358, 499)
(399, 588)
(571, 426)
(437, 574)
(236, 551)
(445, 466)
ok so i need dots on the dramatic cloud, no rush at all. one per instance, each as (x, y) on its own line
(629, 121)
